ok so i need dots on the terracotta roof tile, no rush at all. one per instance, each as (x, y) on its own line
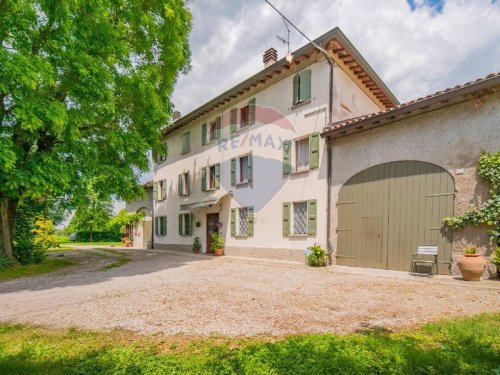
(344, 123)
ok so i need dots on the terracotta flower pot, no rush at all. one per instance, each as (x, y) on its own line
(196, 251)
(219, 252)
(471, 266)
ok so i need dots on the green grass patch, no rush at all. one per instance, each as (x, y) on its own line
(61, 238)
(47, 265)
(462, 346)
(62, 248)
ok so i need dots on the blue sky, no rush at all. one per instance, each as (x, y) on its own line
(416, 46)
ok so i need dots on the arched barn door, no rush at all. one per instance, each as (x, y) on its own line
(386, 211)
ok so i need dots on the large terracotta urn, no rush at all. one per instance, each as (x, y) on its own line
(471, 266)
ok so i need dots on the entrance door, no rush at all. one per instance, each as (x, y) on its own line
(212, 226)
(386, 211)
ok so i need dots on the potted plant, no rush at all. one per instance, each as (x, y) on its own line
(495, 259)
(316, 256)
(217, 244)
(197, 245)
(198, 224)
(472, 264)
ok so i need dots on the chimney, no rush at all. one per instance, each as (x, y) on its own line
(175, 116)
(270, 57)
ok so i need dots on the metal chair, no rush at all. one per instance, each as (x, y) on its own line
(424, 251)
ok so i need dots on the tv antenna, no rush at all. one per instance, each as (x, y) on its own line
(287, 40)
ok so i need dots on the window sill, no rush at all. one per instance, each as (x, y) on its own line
(210, 189)
(185, 152)
(209, 142)
(298, 235)
(301, 171)
(243, 183)
(241, 236)
(301, 104)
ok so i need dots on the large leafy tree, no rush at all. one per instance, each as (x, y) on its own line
(84, 92)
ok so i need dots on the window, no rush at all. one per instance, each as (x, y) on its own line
(242, 220)
(241, 170)
(302, 154)
(211, 132)
(161, 155)
(184, 184)
(302, 87)
(160, 190)
(244, 116)
(186, 142)
(299, 218)
(210, 177)
(185, 224)
(161, 226)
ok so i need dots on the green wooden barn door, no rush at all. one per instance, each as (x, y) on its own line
(386, 211)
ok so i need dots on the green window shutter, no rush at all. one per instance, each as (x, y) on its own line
(204, 179)
(250, 168)
(218, 128)
(180, 224)
(165, 226)
(217, 175)
(204, 133)
(287, 157)
(179, 185)
(156, 226)
(233, 221)
(314, 150)
(311, 217)
(250, 221)
(164, 190)
(233, 125)
(251, 110)
(233, 171)
(305, 86)
(188, 183)
(190, 227)
(286, 218)
(155, 191)
(296, 81)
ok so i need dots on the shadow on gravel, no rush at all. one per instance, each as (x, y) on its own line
(96, 266)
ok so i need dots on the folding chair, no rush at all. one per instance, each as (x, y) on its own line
(425, 251)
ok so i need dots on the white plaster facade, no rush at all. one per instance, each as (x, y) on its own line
(276, 120)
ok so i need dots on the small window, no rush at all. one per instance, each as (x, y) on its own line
(302, 87)
(214, 130)
(299, 218)
(161, 226)
(161, 156)
(186, 142)
(302, 154)
(185, 224)
(212, 178)
(243, 169)
(243, 220)
(184, 184)
(245, 116)
(162, 190)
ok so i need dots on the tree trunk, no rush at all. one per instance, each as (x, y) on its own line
(91, 238)
(8, 208)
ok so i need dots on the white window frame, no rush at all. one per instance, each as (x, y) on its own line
(185, 190)
(292, 219)
(295, 154)
(239, 181)
(238, 221)
(244, 120)
(160, 190)
(209, 177)
(212, 131)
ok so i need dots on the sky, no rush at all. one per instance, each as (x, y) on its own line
(416, 46)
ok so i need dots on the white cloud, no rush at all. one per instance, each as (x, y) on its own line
(415, 52)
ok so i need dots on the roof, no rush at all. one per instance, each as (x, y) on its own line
(147, 184)
(411, 108)
(343, 52)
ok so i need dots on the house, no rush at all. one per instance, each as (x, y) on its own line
(251, 163)
(397, 173)
(142, 232)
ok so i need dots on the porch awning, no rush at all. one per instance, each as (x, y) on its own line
(203, 203)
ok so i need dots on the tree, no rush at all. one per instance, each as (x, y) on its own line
(84, 91)
(92, 217)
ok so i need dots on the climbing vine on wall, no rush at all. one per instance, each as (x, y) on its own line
(489, 213)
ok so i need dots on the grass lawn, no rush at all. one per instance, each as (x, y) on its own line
(122, 258)
(18, 270)
(462, 346)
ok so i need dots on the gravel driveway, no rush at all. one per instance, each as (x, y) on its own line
(170, 293)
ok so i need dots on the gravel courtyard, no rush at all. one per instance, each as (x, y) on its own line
(171, 293)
